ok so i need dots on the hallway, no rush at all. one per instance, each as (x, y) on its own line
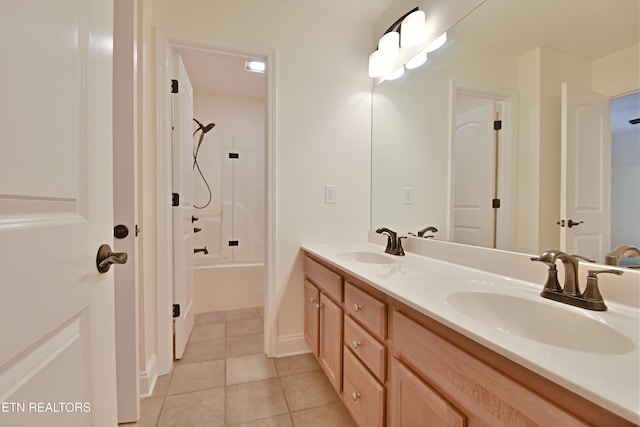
(224, 379)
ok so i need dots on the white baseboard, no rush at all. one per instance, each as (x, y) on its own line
(148, 378)
(291, 345)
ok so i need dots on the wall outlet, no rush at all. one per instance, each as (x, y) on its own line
(407, 195)
(330, 194)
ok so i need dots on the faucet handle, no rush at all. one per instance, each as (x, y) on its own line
(592, 292)
(399, 249)
(552, 283)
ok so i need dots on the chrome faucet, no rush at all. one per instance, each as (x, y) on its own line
(394, 242)
(570, 293)
(613, 257)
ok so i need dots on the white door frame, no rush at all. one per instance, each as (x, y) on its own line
(166, 40)
(125, 186)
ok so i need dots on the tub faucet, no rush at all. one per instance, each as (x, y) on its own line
(394, 243)
(613, 257)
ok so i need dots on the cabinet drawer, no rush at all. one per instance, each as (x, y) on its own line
(367, 348)
(327, 280)
(363, 395)
(487, 396)
(367, 310)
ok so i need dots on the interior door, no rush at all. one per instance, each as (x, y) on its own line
(57, 352)
(474, 172)
(585, 207)
(182, 183)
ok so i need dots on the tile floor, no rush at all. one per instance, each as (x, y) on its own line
(224, 379)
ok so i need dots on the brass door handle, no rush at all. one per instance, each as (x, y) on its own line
(106, 257)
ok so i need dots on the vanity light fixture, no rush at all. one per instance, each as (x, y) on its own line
(255, 66)
(408, 33)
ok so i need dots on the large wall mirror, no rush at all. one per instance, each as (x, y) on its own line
(517, 127)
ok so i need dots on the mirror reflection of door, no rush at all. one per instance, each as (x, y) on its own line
(586, 173)
(477, 159)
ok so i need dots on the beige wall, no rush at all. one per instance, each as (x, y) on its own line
(322, 120)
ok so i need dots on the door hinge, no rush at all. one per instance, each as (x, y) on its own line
(176, 310)
(497, 124)
(174, 86)
(234, 242)
(175, 199)
(495, 203)
(234, 155)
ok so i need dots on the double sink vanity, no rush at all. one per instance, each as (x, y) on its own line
(416, 340)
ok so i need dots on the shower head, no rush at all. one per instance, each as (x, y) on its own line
(203, 128)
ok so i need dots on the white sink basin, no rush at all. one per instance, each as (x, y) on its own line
(538, 321)
(366, 257)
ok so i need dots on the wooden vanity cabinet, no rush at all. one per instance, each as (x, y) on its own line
(397, 367)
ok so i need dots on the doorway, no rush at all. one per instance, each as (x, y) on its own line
(165, 45)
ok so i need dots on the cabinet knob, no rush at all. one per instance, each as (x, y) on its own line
(356, 344)
(313, 299)
(355, 395)
(318, 306)
(357, 307)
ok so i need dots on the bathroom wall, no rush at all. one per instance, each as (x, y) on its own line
(322, 125)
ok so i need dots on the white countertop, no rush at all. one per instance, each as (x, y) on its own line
(609, 378)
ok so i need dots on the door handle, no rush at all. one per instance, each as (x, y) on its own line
(106, 257)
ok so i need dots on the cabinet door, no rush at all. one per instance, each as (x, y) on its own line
(414, 403)
(331, 341)
(311, 316)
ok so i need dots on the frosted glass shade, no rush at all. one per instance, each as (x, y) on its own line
(382, 60)
(417, 60)
(413, 29)
(437, 43)
(396, 74)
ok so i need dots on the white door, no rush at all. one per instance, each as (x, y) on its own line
(57, 351)
(474, 171)
(586, 173)
(182, 183)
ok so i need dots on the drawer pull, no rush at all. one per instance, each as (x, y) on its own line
(355, 396)
(356, 344)
(357, 307)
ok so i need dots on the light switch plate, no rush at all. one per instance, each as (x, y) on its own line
(407, 195)
(330, 194)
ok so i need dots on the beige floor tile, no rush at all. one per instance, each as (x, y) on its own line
(279, 421)
(149, 412)
(253, 401)
(207, 331)
(307, 390)
(253, 367)
(296, 364)
(242, 314)
(202, 351)
(246, 344)
(245, 327)
(197, 409)
(198, 376)
(161, 388)
(334, 415)
(211, 317)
